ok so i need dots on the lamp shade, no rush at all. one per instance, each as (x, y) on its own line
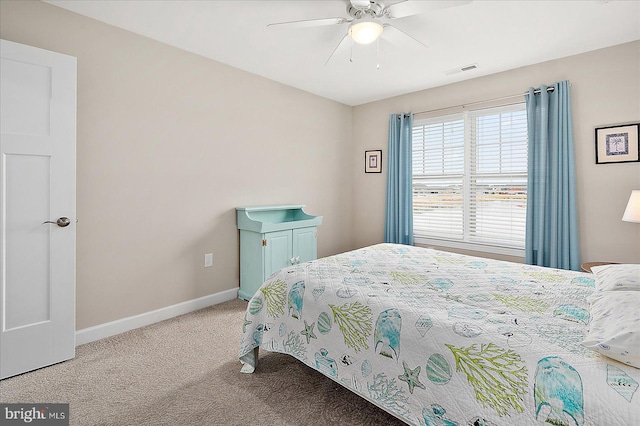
(365, 32)
(632, 212)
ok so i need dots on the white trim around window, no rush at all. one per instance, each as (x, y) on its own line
(461, 245)
(470, 180)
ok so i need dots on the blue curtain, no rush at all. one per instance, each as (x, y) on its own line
(552, 219)
(398, 224)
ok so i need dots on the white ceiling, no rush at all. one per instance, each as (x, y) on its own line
(496, 35)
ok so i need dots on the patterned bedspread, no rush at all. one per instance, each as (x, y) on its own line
(437, 338)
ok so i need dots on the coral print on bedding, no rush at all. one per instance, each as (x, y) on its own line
(437, 338)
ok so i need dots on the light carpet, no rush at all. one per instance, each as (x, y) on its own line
(185, 371)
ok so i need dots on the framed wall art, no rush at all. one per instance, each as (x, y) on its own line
(617, 144)
(373, 161)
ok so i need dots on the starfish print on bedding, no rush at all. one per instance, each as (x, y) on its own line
(308, 331)
(411, 377)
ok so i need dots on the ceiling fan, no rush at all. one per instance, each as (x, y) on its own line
(368, 19)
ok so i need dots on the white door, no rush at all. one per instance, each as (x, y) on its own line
(37, 184)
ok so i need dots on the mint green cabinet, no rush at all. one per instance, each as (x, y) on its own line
(277, 252)
(272, 238)
(305, 246)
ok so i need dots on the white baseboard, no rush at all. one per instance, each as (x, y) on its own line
(112, 328)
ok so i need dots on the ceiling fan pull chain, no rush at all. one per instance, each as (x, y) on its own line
(351, 54)
(378, 54)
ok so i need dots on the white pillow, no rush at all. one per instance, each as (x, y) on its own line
(617, 277)
(614, 330)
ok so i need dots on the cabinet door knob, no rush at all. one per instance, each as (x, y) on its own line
(298, 259)
(292, 260)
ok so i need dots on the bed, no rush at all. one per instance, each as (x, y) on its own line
(437, 338)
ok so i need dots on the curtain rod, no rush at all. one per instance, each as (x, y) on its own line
(535, 92)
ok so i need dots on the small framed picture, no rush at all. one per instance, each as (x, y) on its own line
(373, 161)
(617, 144)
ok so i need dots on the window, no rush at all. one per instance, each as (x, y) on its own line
(470, 180)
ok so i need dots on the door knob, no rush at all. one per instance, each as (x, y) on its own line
(61, 222)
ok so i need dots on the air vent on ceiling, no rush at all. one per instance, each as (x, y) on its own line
(464, 68)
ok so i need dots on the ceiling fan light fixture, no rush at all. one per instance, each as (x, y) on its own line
(365, 32)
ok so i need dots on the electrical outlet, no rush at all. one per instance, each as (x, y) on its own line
(208, 260)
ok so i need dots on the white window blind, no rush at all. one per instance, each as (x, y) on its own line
(470, 177)
(438, 178)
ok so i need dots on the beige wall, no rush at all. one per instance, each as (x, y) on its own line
(605, 91)
(168, 144)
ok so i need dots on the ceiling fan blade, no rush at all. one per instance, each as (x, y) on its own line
(410, 36)
(308, 23)
(409, 8)
(360, 4)
(336, 48)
